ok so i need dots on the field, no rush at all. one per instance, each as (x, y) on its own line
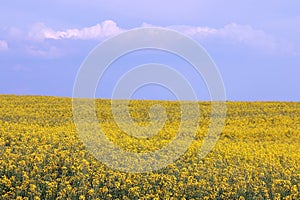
(42, 156)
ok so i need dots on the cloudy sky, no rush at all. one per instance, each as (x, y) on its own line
(255, 44)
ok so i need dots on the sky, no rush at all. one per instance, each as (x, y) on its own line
(254, 44)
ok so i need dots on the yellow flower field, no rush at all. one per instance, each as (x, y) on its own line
(42, 156)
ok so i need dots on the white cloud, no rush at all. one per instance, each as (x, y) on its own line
(3, 45)
(247, 35)
(235, 33)
(96, 32)
(40, 36)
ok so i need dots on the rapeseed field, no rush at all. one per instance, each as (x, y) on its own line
(42, 157)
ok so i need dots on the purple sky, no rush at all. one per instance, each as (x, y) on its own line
(255, 44)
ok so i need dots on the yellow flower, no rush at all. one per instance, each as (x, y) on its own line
(91, 192)
(105, 189)
(32, 187)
